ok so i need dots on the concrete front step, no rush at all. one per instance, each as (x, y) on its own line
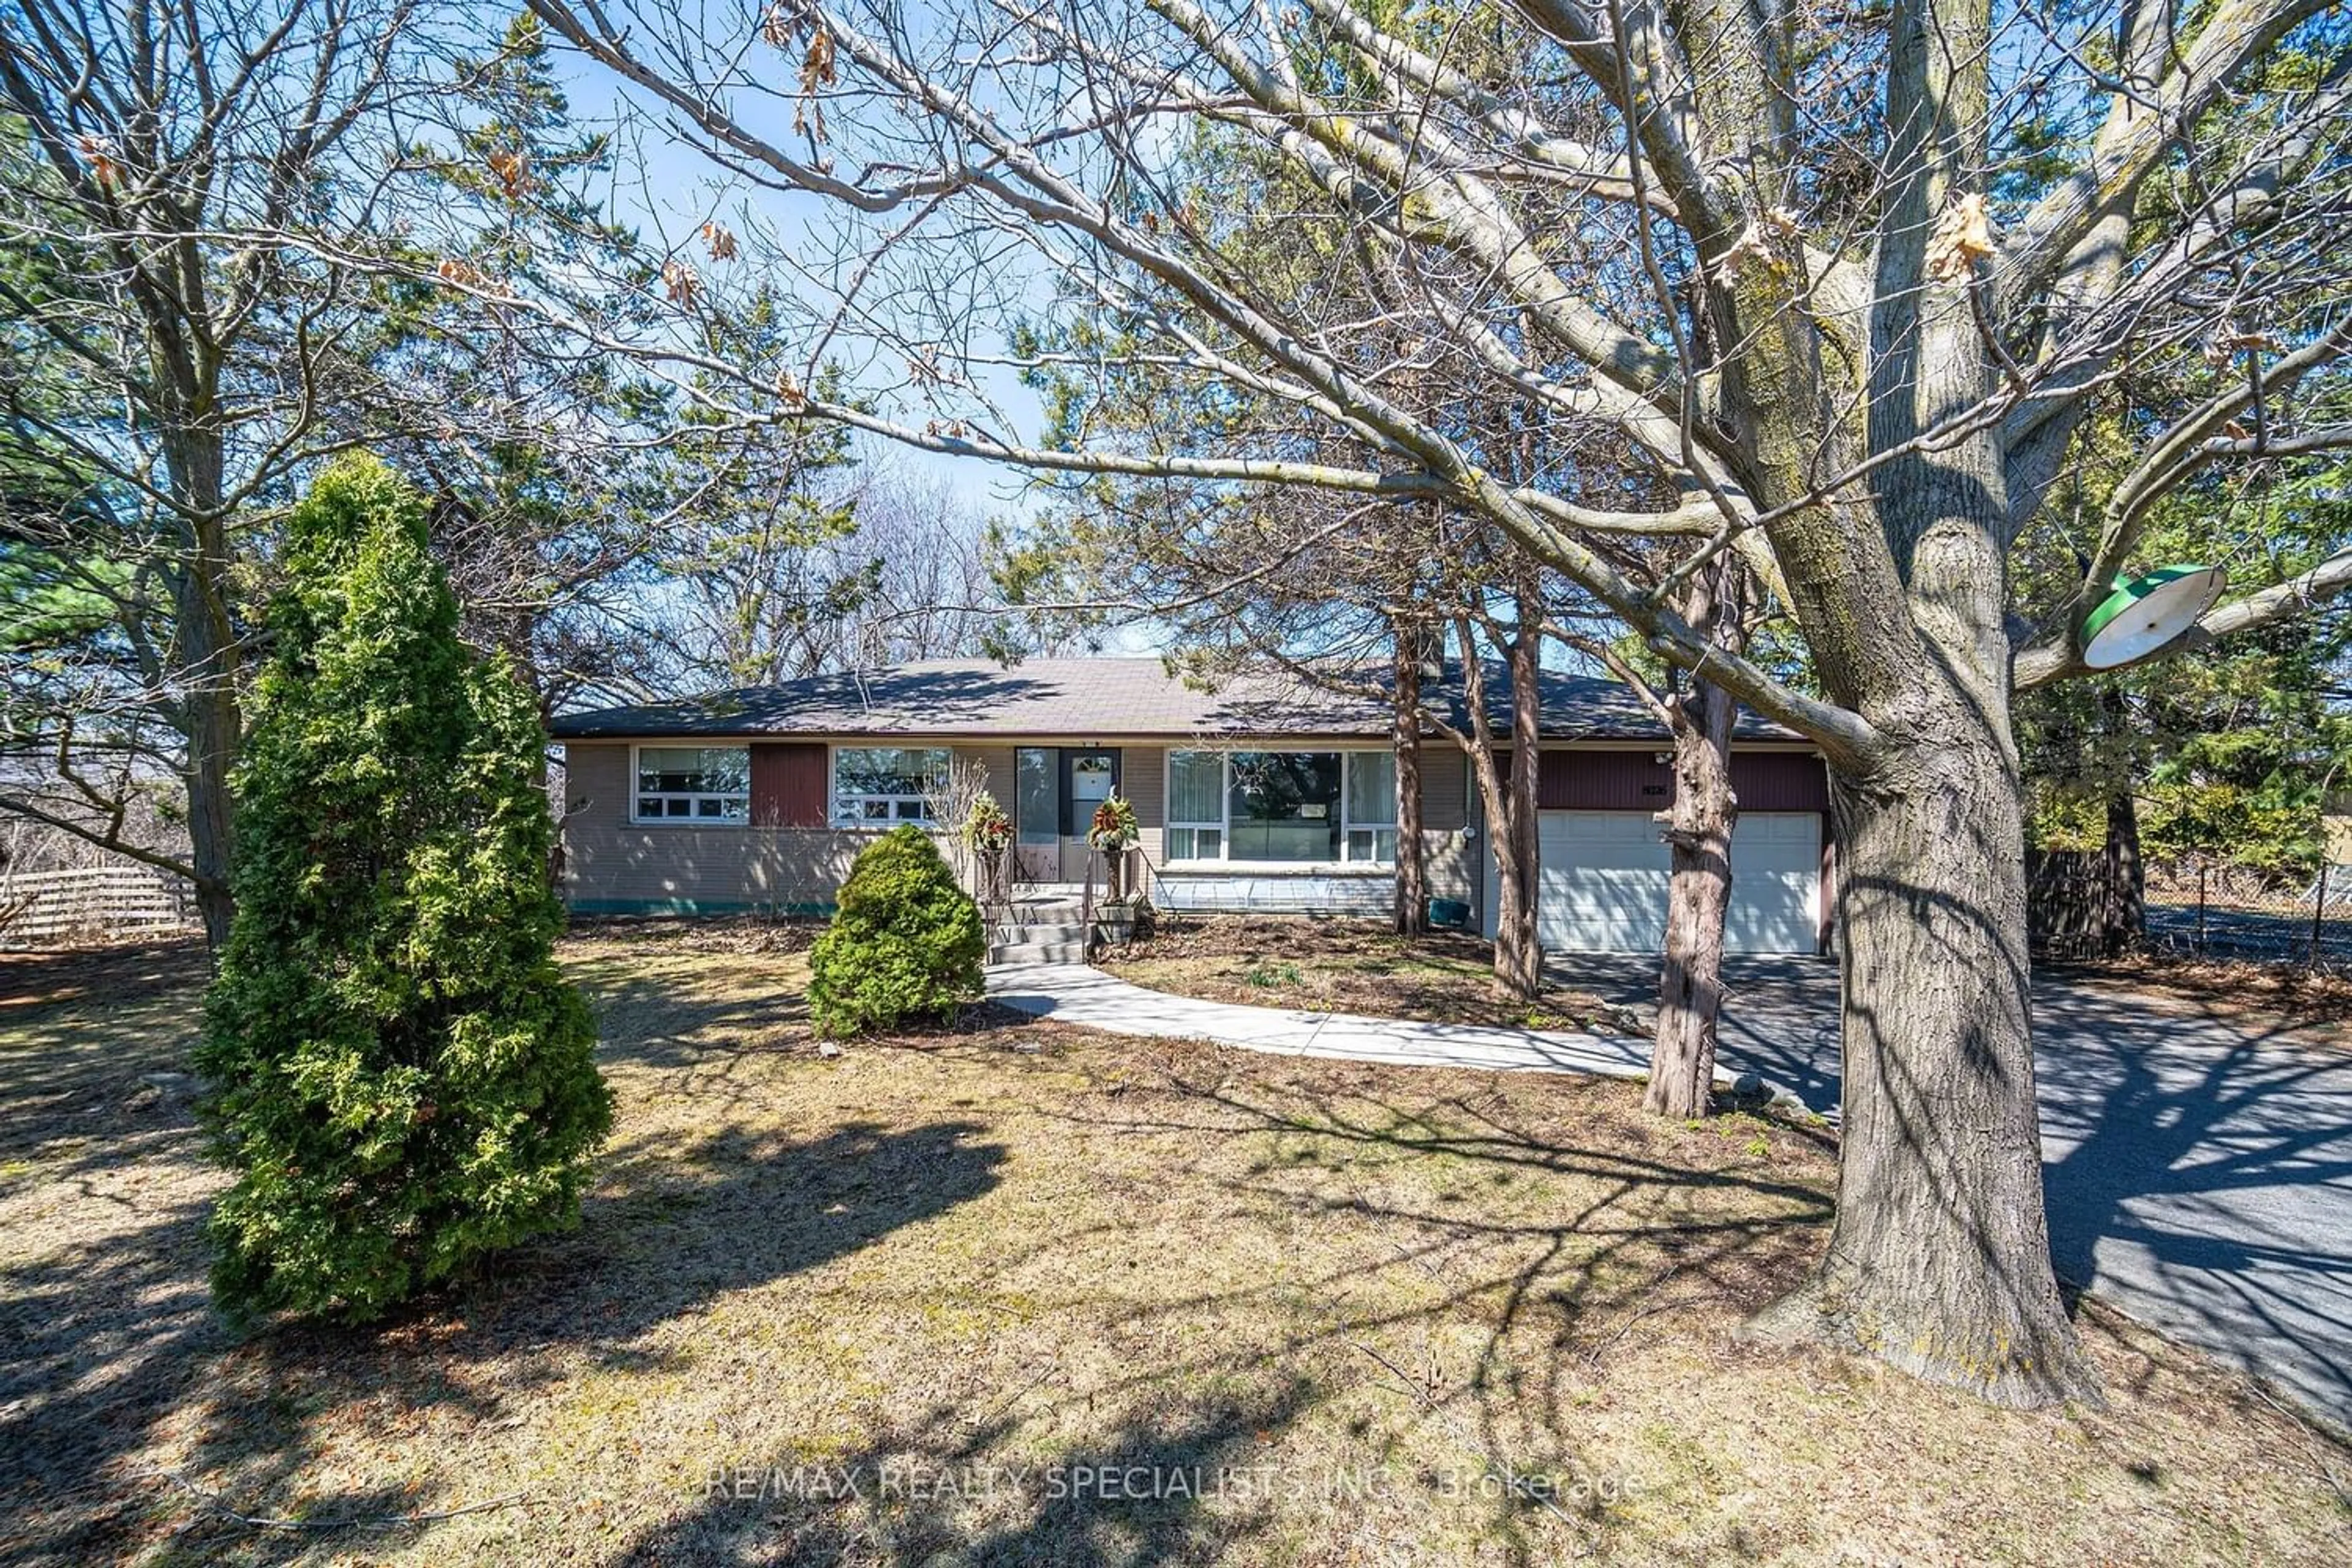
(1040, 931)
(1070, 951)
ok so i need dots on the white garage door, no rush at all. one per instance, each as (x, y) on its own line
(1603, 882)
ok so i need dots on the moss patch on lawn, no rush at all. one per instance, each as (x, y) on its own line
(1348, 965)
(1012, 1293)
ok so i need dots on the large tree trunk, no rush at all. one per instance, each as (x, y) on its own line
(2127, 913)
(1411, 862)
(1509, 800)
(2127, 922)
(1518, 968)
(1519, 957)
(213, 732)
(204, 660)
(1518, 961)
(1697, 829)
(1939, 1262)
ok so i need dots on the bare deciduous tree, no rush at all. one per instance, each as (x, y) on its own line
(805, 560)
(927, 540)
(165, 373)
(236, 239)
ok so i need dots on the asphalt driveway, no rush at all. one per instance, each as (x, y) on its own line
(2198, 1160)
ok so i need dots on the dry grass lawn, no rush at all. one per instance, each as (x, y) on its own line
(1077, 1280)
(1349, 966)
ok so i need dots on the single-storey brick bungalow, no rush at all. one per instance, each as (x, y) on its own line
(1267, 795)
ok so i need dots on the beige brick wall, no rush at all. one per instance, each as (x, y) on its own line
(1452, 865)
(997, 760)
(1445, 786)
(1452, 862)
(1143, 779)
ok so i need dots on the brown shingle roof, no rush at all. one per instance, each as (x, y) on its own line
(1097, 699)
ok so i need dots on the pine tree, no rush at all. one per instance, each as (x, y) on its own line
(399, 1076)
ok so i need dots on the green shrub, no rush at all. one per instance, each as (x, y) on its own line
(397, 1075)
(907, 944)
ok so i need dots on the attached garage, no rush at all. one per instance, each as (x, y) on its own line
(1602, 884)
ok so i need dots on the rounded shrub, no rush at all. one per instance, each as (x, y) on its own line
(398, 1077)
(906, 943)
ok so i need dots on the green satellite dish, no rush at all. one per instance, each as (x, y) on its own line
(2144, 614)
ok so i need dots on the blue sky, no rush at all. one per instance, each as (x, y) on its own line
(668, 189)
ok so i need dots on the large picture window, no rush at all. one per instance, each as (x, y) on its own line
(694, 783)
(1282, 807)
(880, 786)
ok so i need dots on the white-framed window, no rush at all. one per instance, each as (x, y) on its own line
(1283, 807)
(882, 786)
(1196, 805)
(1372, 807)
(705, 784)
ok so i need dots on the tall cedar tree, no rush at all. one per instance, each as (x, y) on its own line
(400, 1078)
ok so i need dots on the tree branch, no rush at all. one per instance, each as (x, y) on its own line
(2061, 659)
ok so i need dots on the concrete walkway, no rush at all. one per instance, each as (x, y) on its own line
(1074, 993)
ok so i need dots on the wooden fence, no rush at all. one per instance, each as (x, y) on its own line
(101, 903)
(2074, 907)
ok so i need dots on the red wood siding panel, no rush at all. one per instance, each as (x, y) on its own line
(1602, 781)
(1631, 781)
(1780, 781)
(789, 788)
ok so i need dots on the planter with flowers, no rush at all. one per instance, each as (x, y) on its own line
(988, 832)
(1114, 831)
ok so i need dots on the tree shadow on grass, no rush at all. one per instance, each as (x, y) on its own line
(1563, 1235)
(679, 1220)
(109, 1349)
(643, 1021)
(99, 1343)
(111, 1343)
(673, 1226)
(103, 1311)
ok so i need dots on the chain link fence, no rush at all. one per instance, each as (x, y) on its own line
(2237, 907)
(2211, 909)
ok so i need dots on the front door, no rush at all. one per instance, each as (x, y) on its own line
(1088, 778)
